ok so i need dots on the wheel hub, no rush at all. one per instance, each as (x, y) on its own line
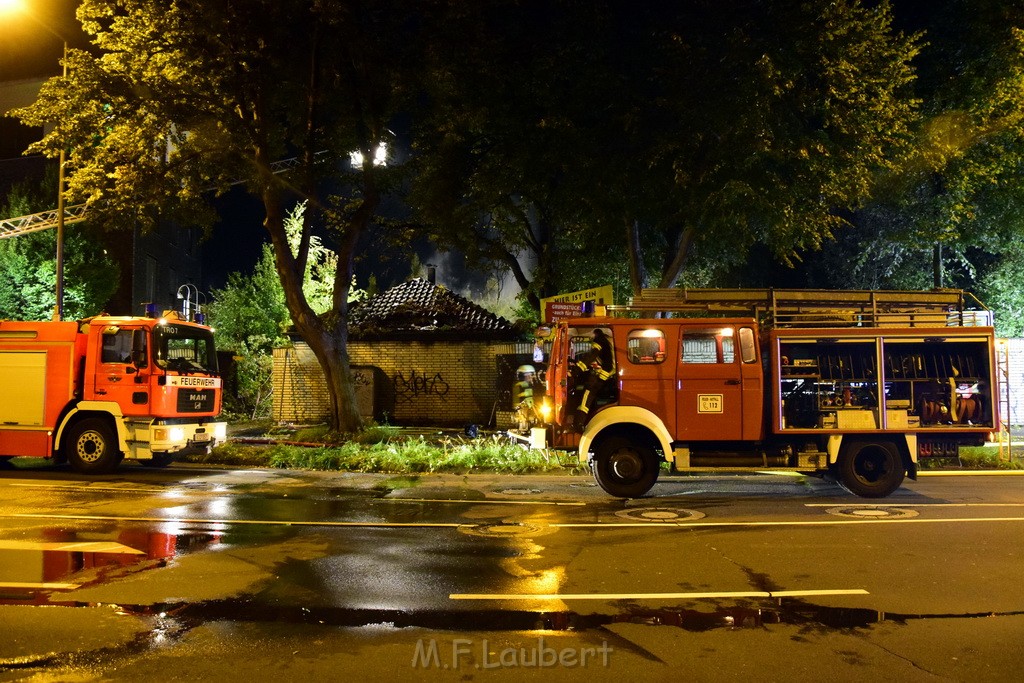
(626, 465)
(90, 447)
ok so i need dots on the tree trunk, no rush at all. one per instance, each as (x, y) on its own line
(327, 340)
(331, 352)
(638, 277)
(674, 268)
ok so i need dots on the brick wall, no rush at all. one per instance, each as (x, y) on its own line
(406, 382)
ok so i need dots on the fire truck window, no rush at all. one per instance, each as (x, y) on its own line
(646, 347)
(701, 346)
(117, 348)
(728, 350)
(748, 349)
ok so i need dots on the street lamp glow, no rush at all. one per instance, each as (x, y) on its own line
(12, 6)
(380, 156)
(19, 7)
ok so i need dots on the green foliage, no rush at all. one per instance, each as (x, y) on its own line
(28, 271)
(251, 316)
(1003, 291)
(961, 187)
(699, 130)
(176, 99)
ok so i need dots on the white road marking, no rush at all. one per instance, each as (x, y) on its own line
(266, 522)
(41, 586)
(971, 473)
(565, 525)
(916, 505)
(72, 547)
(821, 522)
(479, 501)
(656, 596)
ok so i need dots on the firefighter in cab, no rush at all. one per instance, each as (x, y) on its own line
(591, 373)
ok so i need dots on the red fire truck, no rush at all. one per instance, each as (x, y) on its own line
(99, 390)
(862, 384)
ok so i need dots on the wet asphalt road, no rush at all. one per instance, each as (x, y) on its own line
(190, 573)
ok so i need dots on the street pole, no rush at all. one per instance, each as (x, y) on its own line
(58, 309)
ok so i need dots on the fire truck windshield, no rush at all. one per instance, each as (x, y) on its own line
(185, 349)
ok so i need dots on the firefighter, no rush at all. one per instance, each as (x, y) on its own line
(592, 371)
(522, 396)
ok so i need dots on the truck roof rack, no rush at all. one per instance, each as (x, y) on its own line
(795, 308)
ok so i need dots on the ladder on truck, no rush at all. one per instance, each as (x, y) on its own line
(794, 308)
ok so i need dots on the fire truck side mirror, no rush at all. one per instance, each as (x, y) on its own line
(139, 348)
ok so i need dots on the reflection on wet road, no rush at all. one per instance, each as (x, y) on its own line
(178, 551)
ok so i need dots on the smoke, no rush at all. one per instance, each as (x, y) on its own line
(496, 290)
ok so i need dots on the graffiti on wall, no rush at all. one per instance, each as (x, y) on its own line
(418, 385)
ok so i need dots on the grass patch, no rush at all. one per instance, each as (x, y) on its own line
(376, 450)
(979, 458)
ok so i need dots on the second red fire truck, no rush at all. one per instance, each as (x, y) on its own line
(863, 384)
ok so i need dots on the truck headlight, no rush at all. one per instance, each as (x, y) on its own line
(168, 434)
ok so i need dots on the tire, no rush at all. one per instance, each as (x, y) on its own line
(871, 469)
(623, 468)
(91, 447)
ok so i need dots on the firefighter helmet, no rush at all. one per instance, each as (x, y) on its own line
(523, 370)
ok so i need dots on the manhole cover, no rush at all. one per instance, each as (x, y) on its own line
(588, 485)
(502, 530)
(871, 512)
(659, 514)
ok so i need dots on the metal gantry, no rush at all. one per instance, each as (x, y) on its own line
(45, 220)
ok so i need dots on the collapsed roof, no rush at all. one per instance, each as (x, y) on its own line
(420, 309)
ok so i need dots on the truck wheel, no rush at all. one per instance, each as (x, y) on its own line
(871, 469)
(624, 469)
(91, 447)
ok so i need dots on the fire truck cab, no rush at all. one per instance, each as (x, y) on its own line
(859, 384)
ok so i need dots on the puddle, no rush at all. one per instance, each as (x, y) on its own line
(167, 624)
(785, 611)
(32, 571)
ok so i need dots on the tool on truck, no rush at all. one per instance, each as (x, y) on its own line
(860, 384)
(99, 390)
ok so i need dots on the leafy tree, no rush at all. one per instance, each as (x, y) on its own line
(189, 96)
(661, 131)
(28, 271)
(251, 315)
(960, 197)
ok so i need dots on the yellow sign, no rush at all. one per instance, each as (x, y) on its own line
(600, 296)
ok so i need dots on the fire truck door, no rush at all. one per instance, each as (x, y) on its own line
(709, 389)
(115, 376)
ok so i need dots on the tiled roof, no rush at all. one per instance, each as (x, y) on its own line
(419, 307)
